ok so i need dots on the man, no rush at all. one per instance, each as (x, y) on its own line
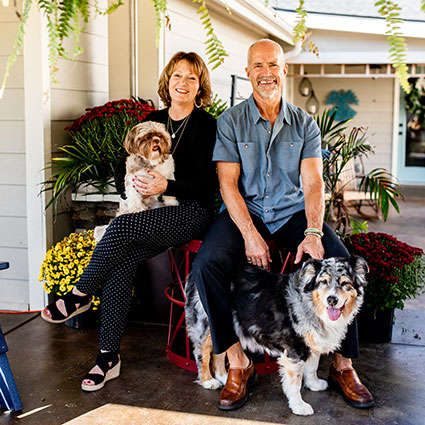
(268, 155)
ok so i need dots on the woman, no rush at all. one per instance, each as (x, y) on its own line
(184, 87)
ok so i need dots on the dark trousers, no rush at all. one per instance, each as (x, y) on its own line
(222, 254)
(129, 240)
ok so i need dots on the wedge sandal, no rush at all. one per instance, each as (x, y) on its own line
(109, 372)
(70, 301)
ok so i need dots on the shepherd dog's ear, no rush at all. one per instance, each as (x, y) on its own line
(360, 269)
(308, 272)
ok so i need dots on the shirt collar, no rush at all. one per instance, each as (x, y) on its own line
(284, 114)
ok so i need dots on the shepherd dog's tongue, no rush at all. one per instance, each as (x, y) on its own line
(334, 313)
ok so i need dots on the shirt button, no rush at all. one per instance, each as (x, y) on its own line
(246, 146)
(268, 174)
(270, 132)
(267, 196)
(291, 145)
(267, 211)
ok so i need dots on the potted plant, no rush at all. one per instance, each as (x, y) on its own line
(96, 145)
(62, 267)
(339, 150)
(396, 273)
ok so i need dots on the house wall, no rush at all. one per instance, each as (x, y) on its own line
(82, 83)
(235, 35)
(351, 48)
(374, 111)
(13, 235)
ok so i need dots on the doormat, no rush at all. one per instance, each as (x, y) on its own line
(112, 414)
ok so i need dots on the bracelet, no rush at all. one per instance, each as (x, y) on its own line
(313, 231)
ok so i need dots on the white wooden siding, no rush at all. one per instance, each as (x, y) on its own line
(14, 292)
(187, 34)
(374, 111)
(82, 83)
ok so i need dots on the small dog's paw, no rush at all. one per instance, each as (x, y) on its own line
(221, 378)
(302, 408)
(211, 384)
(317, 385)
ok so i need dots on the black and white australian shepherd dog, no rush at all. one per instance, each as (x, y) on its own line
(295, 317)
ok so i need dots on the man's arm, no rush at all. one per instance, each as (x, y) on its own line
(256, 249)
(313, 187)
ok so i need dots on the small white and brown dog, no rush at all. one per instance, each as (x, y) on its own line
(148, 145)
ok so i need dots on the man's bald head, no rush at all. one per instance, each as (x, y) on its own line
(261, 43)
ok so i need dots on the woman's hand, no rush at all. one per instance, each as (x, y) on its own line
(154, 184)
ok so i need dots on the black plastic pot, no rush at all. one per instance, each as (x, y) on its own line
(375, 327)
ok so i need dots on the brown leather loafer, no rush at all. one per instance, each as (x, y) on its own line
(349, 385)
(235, 393)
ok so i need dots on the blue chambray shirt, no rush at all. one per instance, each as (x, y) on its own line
(270, 159)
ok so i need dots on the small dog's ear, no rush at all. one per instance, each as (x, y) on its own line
(360, 269)
(308, 273)
(129, 141)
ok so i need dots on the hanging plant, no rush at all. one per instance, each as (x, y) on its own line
(64, 20)
(397, 44)
(300, 30)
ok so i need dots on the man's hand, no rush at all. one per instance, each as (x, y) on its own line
(154, 184)
(257, 251)
(311, 245)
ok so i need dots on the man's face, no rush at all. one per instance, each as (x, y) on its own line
(266, 70)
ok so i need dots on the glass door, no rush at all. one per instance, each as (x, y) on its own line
(411, 155)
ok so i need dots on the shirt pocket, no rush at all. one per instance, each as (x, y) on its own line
(250, 154)
(289, 157)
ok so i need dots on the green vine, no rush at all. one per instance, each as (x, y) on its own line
(160, 7)
(300, 30)
(389, 10)
(63, 22)
(214, 47)
(17, 45)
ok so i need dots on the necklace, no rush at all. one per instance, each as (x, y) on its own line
(170, 125)
(173, 135)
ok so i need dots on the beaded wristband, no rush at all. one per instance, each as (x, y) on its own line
(313, 231)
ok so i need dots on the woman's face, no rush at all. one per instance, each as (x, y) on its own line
(183, 85)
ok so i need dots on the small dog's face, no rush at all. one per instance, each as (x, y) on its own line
(336, 285)
(148, 140)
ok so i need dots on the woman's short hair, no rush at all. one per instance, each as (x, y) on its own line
(199, 68)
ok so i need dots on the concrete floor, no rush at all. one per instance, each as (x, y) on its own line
(48, 362)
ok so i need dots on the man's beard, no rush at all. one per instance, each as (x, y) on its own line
(267, 94)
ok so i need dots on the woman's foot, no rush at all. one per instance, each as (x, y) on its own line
(107, 367)
(71, 304)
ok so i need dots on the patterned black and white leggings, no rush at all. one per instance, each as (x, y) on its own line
(128, 240)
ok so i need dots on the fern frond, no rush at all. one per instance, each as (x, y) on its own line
(160, 7)
(17, 45)
(300, 29)
(64, 19)
(214, 48)
(389, 10)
